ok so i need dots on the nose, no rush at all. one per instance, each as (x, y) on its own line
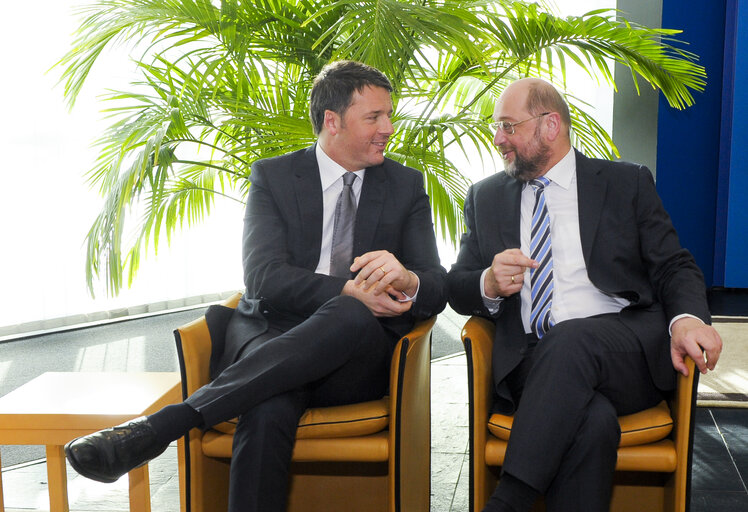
(385, 126)
(499, 137)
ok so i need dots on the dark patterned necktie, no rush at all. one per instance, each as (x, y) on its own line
(341, 256)
(541, 278)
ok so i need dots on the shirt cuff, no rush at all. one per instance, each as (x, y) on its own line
(492, 303)
(408, 298)
(678, 317)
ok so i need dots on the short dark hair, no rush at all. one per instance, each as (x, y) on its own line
(543, 97)
(334, 86)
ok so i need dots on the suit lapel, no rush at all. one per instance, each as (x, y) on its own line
(369, 209)
(591, 200)
(506, 204)
(308, 190)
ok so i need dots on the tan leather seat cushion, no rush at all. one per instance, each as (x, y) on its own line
(637, 429)
(353, 420)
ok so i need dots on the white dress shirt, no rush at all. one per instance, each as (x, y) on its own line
(574, 295)
(331, 175)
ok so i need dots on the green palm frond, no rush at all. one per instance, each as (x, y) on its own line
(223, 83)
(533, 38)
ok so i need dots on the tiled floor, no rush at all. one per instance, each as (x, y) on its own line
(720, 471)
(449, 435)
(720, 461)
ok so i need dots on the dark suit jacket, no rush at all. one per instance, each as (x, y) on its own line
(283, 236)
(630, 248)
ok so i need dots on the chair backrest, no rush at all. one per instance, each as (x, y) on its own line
(410, 389)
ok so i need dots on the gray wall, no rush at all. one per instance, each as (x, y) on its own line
(635, 115)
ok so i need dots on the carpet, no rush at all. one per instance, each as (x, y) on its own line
(727, 385)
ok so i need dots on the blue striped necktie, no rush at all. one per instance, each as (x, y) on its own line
(541, 278)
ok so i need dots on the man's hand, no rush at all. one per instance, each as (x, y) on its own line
(507, 273)
(380, 304)
(691, 337)
(380, 272)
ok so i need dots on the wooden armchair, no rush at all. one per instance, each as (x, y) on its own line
(654, 456)
(372, 456)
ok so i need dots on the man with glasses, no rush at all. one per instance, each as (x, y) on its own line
(595, 302)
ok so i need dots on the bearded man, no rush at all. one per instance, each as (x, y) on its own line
(595, 302)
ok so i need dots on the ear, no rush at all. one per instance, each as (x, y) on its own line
(553, 126)
(331, 122)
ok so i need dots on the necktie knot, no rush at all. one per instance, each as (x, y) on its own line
(540, 183)
(348, 179)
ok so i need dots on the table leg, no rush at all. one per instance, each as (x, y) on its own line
(182, 469)
(140, 490)
(2, 503)
(57, 479)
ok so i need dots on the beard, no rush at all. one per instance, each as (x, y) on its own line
(529, 164)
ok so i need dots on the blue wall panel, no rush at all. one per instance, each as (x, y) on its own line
(725, 149)
(688, 140)
(736, 177)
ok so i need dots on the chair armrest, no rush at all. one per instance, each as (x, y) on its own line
(193, 350)
(682, 407)
(682, 410)
(477, 337)
(410, 419)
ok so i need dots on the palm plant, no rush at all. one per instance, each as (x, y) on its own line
(223, 83)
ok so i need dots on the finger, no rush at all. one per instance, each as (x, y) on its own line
(385, 270)
(381, 285)
(678, 363)
(514, 270)
(397, 294)
(504, 273)
(376, 274)
(391, 307)
(397, 307)
(713, 350)
(518, 259)
(377, 265)
(712, 356)
(517, 278)
(695, 353)
(370, 272)
(360, 261)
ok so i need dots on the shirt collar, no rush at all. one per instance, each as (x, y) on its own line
(563, 172)
(329, 170)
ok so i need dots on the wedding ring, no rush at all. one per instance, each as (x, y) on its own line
(513, 282)
(382, 269)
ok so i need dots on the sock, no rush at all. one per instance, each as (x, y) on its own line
(511, 495)
(174, 421)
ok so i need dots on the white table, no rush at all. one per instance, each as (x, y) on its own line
(56, 407)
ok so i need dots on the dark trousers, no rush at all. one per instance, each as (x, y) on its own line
(339, 355)
(571, 388)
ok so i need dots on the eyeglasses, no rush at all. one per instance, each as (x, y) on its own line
(508, 128)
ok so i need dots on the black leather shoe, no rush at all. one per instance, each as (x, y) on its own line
(106, 455)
